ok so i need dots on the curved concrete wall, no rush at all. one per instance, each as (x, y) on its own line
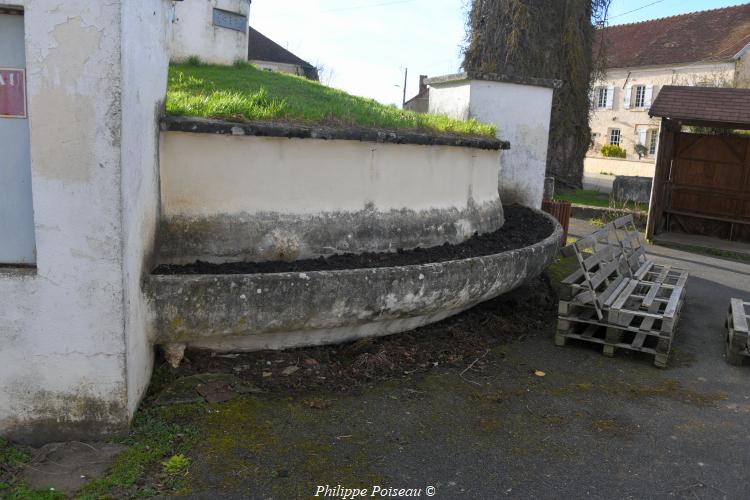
(281, 310)
(236, 197)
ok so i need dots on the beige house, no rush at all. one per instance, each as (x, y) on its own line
(709, 48)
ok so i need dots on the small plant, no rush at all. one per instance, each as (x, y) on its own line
(597, 222)
(175, 464)
(193, 61)
(10, 456)
(154, 436)
(641, 150)
(613, 151)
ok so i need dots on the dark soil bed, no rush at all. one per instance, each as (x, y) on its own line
(523, 227)
(455, 342)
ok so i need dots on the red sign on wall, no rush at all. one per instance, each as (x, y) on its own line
(12, 93)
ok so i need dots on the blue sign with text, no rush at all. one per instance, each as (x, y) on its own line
(230, 20)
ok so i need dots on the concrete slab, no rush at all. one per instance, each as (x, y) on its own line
(695, 240)
(65, 467)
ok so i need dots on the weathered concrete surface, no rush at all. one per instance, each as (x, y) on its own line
(74, 357)
(632, 188)
(353, 133)
(229, 197)
(65, 467)
(273, 311)
(183, 239)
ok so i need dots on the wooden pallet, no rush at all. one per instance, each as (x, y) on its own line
(612, 338)
(604, 303)
(644, 322)
(574, 284)
(736, 344)
(640, 265)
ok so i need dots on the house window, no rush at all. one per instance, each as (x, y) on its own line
(639, 96)
(614, 136)
(652, 140)
(601, 97)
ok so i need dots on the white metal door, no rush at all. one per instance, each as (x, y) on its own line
(17, 244)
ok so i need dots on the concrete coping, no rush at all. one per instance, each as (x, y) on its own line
(298, 131)
(494, 77)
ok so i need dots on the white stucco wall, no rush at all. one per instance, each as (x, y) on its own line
(63, 326)
(451, 99)
(599, 172)
(194, 34)
(205, 174)
(145, 57)
(232, 198)
(522, 116)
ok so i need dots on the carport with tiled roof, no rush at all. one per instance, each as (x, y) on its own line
(702, 180)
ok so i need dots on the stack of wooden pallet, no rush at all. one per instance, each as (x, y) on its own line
(738, 332)
(618, 297)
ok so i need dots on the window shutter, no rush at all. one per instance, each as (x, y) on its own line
(626, 99)
(610, 96)
(647, 97)
(642, 136)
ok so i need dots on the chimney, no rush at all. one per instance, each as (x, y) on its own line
(422, 84)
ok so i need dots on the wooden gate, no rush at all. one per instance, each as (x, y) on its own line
(708, 191)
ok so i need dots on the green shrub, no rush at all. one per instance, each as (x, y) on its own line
(176, 464)
(613, 151)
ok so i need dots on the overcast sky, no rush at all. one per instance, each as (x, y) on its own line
(368, 43)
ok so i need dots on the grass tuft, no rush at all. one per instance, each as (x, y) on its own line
(175, 464)
(242, 92)
(152, 439)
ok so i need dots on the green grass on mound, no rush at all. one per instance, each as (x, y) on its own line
(242, 92)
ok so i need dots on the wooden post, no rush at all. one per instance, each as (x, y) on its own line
(664, 156)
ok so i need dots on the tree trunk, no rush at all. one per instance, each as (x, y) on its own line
(542, 39)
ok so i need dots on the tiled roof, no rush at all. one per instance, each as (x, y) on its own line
(703, 104)
(262, 48)
(711, 36)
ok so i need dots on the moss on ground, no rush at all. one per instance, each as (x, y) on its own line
(560, 269)
(277, 443)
